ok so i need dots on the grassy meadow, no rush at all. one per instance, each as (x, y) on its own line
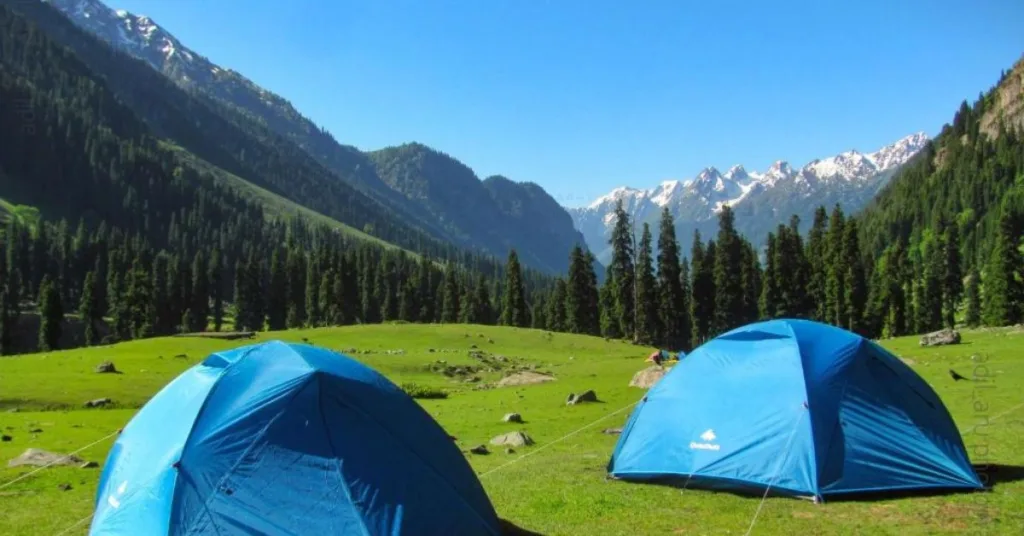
(556, 488)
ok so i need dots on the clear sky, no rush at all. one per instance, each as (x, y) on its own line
(581, 96)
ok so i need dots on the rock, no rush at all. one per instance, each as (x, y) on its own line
(97, 403)
(647, 377)
(64, 487)
(612, 431)
(479, 449)
(41, 458)
(106, 367)
(512, 417)
(89, 465)
(525, 378)
(585, 396)
(6, 438)
(36, 431)
(491, 341)
(12, 410)
(941, 337)
(510, 450)
(430, 350)
(181, 356)
(472, 346)
(512, 439)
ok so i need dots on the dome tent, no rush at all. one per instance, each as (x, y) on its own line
(801, 407)
(280, 438)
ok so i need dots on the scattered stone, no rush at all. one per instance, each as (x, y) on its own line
(941, 337)
(106, 367)
(585, 396)
(5, 438)
(472, 379)
(64, 487)
(473, 346)
(647, 377)
(181, 356)
(36, 431)
(479, 449)
(12, 410)
(42, 458)
(490, 341)
(512, 439)
(512, 417)
(510, 450)
(430, 350)
(89, 465)
(612, 431)
(525, 378)
(97, 403)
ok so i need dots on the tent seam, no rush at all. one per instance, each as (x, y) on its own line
(334, 454)
(810, 415)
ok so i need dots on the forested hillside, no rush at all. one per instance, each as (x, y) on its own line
(141, 244)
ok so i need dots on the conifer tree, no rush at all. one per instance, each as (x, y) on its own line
(312, 291)
(51, 315)
(216, 278)
(647, 321)
(582, 307)
(854, 283)
(515, 312)
(702, 301)
(200, 302)
(686, 323)
(835, 293)
(770, 295)
(88, 309)
(818, 263)
(469, 309)
(672, 301)
(277, 296)
(296, 317)
(931, 301)
(1002, 292)
(6, 322)
(450, 299)
(556, 313)
(621, 272)
(326, 306)
(610, 327)
(485, 313)
(728, 275)
(752, 281)
(972, 315)
(952, 277)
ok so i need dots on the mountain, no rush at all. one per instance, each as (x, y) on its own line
(761, 200)
(395, 186)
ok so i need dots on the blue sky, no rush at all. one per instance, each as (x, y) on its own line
(581, 96)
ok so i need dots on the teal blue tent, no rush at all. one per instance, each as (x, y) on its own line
(287, 439)
(804, 408)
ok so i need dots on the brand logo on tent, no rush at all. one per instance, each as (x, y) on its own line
(708, 436)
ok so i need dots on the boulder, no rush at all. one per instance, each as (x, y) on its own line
(585, 396)
(647, 377)
(479, 449)
(42, 458)
(97, 403)
(941, 337)
(5, 438)
(64, 487)
(525, 378)
(612, 431)
(512, 417)
(89, 465)
(512, 439)
(106, 367)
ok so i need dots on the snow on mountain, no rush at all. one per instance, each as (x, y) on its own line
(850, 177)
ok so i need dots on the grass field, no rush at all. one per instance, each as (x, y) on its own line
(556, 489)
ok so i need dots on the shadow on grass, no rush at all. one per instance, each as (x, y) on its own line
(510, 529)
(994, 474)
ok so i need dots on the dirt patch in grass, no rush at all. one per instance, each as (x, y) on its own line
(525, 378)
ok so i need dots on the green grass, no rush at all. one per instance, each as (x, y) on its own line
(556, 489)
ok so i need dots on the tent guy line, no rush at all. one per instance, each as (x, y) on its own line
(782, 462)
(58, 460)
(566, 436)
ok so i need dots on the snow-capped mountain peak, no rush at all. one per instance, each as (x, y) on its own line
(772, 196)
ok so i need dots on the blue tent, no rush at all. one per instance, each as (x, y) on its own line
(805, 408)
(279, 438)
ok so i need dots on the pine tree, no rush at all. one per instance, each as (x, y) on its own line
(610, 327)
(450, 299)
(556, 313)
(686, 322)
(7, 325)
(138, 302)
(469, 308)
(326, 305)
(672, 301)
(702, 301)
(930, 302)
(1002, 292)
(728, 275)
(485, 314)
(89, 310)
(752, 281)
(581, 300)
(277, 298)
(243, 316)
(200, 293)
(51, 315)
(817, 261)
(770, 295)
(835, 293)
(255, 293)
(216, 279)
(621, 272)
(952, 277)
(296, 317)
(647, 325)
(312, 294)
(854, 282)
(972, 315)
(515, 312)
